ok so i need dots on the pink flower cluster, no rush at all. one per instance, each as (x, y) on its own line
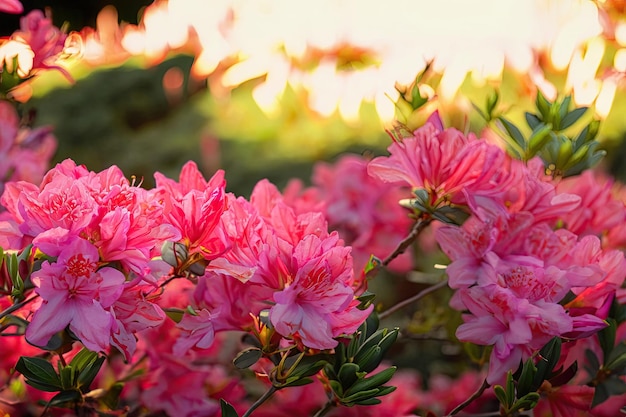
(512, 266)
(101, 235)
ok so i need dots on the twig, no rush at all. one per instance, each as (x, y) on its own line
(17, 306)
(419, 225)
(260, 401)
(322, 411)
(411, 300)
(467, 402)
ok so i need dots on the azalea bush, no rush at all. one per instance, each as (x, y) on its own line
(187, 300)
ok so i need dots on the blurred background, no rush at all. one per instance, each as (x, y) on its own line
(266, 88)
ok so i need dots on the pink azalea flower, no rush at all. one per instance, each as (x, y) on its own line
(197, 331)
(76, 293)
(194, 207)
(133, 312)
(178, 389)
(443, 162)
(363, 209)
(599, 211)
(318, 289)
(564, 401)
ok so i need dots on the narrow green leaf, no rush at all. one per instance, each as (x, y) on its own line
(227, 409)
(514, 132)
(374, 381)
(532, 120)
(510, 389)
(64, 397)
(501, 395)
(525, 382)
(112, 397)
(83, 358)
(606, 337)
(360, 395)
(538, 138)
(89, 373)
(369, 401)
(572, 117)
(543, 105)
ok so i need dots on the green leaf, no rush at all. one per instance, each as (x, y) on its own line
(347, 374)
(227, 409)
(89, 373)
(247, 357)
(572, 117)
(373, 381)
(83, 358)
(525, 381)
(543, 105)
(39, 371)
(527, 402)
(510, 388)
(606, 337)
(373, 263)
(514, 132)
(64, 397)
(365, 299)
(548, 358)
(616, 361)
(538, 138)
(492, 102)
(369, 401)
(67, 375)
(532, 120)
(112, 397)
(593, 362)
(360, 395)
(501, 395)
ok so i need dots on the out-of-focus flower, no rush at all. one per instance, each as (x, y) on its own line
(44, 39)
(20, 52)
(11, 6)
(363, 209)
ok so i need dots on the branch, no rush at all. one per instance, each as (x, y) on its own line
(260, 401)
(419, 225)
(411, 300)
(467, 402)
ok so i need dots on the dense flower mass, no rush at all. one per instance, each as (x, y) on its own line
(117, 299)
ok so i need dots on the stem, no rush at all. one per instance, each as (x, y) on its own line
(322, 411)
(419, 225)
(412, 299)
(260, 401)
(17, 306)
(467, 402)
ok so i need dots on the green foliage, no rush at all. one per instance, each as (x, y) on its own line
(563, 155)
(227, 409)
(71, 381)
(353, 362)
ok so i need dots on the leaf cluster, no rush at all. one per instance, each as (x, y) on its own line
(348, 375)
(71, 381)
(563, 155)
